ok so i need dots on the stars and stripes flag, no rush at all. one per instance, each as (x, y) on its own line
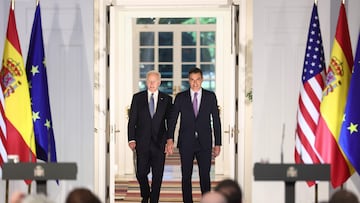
(310, 95)
(19, 127)
(349, 139)
(37, 77)
(332, 107)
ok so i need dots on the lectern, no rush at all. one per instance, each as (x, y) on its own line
(40, 172)
(290, 173)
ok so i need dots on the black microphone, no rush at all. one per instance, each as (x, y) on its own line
(282, 144)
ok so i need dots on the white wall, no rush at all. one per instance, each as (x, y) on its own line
(280, 34)
(68, 38)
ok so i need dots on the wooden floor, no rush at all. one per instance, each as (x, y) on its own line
(127, 188)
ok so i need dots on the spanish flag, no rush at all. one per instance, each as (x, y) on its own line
(332, 107)
(19, 126)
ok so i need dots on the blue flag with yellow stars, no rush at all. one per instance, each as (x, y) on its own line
(349, 139)
(39, 94)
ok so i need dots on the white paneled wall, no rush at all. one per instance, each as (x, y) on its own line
(68, 39)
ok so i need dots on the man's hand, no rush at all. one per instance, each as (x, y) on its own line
(169, 148)
(216, 151)
(132, 145)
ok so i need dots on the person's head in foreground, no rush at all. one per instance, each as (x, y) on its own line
(231, 190)
(343, 196)
(213, 197)
(82, 195)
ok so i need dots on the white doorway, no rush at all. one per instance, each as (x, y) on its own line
(125, 76)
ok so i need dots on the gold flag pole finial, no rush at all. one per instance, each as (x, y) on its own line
(37, 2)
(343, 2)
(316, 2)
(12, 4)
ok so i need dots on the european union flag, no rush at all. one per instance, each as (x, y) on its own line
(349, 139)
(37, 77)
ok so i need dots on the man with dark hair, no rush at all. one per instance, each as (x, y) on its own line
(199, 122)
(230, 189)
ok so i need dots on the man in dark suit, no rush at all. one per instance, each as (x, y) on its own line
(147, 135)
(199, 120)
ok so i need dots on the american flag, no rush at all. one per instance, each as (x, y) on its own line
(310, 94)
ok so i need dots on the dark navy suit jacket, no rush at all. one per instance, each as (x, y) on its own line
(141, 127)
(202, 124)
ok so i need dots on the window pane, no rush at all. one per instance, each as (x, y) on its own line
(188, 38)
(188, 55)
(144, 68)
(145, 20)
(185, 70)
(209, 85)
(207, 55)
(142, 85)
(208, 71)
(166, 87)
(185, 85)
(207, 20)
(177, 21)
(146, 55)
(207, 38)
(146, 38)
(166, 71)
(165, 38)
(166, 55)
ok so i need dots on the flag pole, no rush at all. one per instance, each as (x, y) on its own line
(7, 181)
(316, 192)
(7, 191)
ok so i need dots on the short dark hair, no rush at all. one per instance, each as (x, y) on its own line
(82, 195)
(195, 70)
(343, 196)
(230, 189)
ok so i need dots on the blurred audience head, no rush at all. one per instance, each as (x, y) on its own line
(231, 190)
(343, 196)
(82, 195)
(36, 198)
(213, 197)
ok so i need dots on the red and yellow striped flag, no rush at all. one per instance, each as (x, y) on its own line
(333, 103)
(20, 132)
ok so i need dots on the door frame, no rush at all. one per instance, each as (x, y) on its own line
(121, 85)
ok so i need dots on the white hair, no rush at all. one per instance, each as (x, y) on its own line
(153, 72)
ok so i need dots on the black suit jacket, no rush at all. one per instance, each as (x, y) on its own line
(141, 127)
(202, 124)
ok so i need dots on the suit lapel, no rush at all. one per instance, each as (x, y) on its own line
(159, 105)
(202, 101)
(146, 99)
(190, 103)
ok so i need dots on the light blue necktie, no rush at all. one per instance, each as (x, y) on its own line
(195, 104)
(152, 105)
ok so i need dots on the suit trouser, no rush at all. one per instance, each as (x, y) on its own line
(203, 157)
(153, 160)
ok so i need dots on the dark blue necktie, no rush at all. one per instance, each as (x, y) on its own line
(152, 105)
